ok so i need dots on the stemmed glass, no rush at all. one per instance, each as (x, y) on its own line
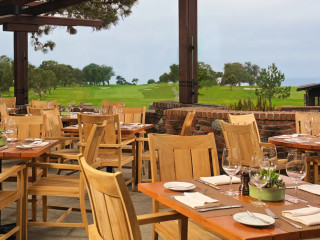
(49, 105)
(296, 169)
(308, 123)
(231, 163)
(260, 180)
(80, 107)
(9, 129)
(269, 153)
(72, 105)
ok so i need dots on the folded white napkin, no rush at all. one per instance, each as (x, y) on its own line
(197, 200)
(312, 188)
(35, 144)
(220, 180)
(308, 216)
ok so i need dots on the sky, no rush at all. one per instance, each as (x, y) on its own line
(145, 44)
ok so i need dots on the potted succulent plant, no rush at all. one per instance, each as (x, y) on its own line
(3, 138)
(274, 191)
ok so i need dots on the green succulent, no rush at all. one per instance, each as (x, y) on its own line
(273, 176)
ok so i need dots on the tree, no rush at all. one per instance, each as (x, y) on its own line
(64, 73)
(108, 11)
(151, 81)
(39, 79)
(206, 76)
(164, 78)
(105, 74)
(231, 80)
(237, 70)
(174, 73)
(121, 80)
(135, 81)
(269, 83)
(253, 70)
(79, 77)
(6, 74)
(96, 74)
(54, 67)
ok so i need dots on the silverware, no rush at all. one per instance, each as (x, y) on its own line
(256, 217)
(3, 148)
(208, 184)
(271, 214)
(290, 187)
(218, 208)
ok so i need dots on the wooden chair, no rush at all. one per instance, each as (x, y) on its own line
(37, 111)
(132, 115)
(65, 186)
(110, 152)
(113, 211)
(175, 158)
(10, 102)
(43, 104)
(3, 110)
(7, 197)
(312, 159)
(145, 155)
(107, 107)
(248, 119)
(241, 137)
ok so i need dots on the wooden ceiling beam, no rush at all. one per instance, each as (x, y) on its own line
(47, 20)
(16, 27)
(50, 6)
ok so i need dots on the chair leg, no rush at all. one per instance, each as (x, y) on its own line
(19, 219)
(155, 235)
(83, 205)
(45, 208)
(316, 172)
(24, 206)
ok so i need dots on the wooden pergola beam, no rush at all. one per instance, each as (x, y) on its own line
(16, 27)
(50, 6)
(47, 20)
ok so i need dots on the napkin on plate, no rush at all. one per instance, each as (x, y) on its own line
(35, 144)
(311, 188)
(308, 216)
(220, 180)
(197, 200)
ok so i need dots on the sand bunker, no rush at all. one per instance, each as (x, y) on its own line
(147, 89)
(104, 88)
(251, 89)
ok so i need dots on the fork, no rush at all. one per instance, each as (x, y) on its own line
(271, 214)
(254, 216)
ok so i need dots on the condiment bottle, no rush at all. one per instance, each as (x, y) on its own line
(244, 186)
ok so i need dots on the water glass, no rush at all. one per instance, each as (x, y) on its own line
(231, 163)
(269, 153)
(308, 123)
(296, 169)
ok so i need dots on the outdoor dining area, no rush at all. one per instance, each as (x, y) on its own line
(109, 163)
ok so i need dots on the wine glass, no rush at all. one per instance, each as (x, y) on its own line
(231, 163)
(269, 153)
(9, 129)
(49, 105)
(258, 166)
(80, 107)
(308, 123)
(296, 169)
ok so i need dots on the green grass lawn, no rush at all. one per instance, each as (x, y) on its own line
(143, 95)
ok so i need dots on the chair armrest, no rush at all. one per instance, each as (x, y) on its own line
(54, 165)
(10, 171)
(142, 139)
(159, 217)
(61, 138)
(127, 141)
(267, 145)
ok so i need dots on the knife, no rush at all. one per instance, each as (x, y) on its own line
(218, 208)
(208, 184)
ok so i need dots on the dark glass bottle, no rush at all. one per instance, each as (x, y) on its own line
(244, 186)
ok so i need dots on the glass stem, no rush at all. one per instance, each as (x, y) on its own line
(296, 189)
(259, 194)
(230, 183)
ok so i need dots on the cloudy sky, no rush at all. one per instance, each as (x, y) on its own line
(145, 44)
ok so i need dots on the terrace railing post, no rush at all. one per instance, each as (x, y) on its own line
(21, 67)
(188, 52)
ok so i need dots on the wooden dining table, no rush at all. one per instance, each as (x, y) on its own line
(302, 142)
(221, 221)
(33, 154)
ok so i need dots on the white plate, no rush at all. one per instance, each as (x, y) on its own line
(179, 186)
(244, 218)
(33, 139)
(25, 146)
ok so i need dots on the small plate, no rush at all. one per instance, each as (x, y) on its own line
(33, 139)
(25, 146)
(179, 186)
(244, 218)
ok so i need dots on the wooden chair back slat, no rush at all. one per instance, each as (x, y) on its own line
(10, 102)
(113, 212)
(182, 157)
(29, 126)
(245, 119)
(186, 127)
(43, 104)
(133, 115)
(53, 123)
(300, 122)
(108, 106)
(3, 110)
(242, 137)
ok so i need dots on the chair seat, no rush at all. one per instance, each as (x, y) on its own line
(169, 230)
(113, 160)
(56, 185)
(7, 197)
(65, 153)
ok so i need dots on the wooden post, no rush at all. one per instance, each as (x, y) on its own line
(21, 67)
(188, 52)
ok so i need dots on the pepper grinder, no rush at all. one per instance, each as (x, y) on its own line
(244, 186)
